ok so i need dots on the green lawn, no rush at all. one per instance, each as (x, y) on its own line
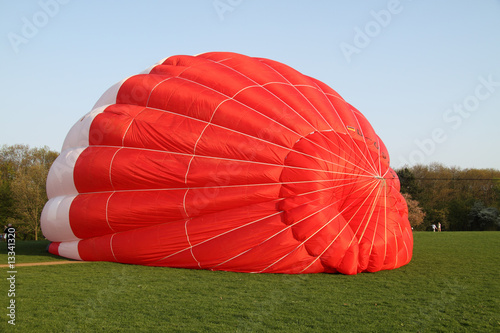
(451, 285)
(29, 251)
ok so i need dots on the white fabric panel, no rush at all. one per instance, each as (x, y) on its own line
(148, 70)
(109, 96)
(60, 178)
(61, 189)
(69, 250)
(78, 135)
(55, 219)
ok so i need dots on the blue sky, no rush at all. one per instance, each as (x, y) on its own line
(426, 74)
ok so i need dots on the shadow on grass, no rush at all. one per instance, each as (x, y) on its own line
(29, 251)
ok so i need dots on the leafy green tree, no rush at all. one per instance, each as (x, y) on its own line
(437, 216)
(6, 200)
(457, 217)
(23, 173)
(28, 191)
(447, 194)
(484, 218)
(408, 182)
(496, 190)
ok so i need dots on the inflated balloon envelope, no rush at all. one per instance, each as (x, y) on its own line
(225, 162)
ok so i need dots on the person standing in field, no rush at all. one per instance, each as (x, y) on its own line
(433, 227)
(8, 231)
(439, 226)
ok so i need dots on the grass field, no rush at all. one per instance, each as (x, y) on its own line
(451, 285)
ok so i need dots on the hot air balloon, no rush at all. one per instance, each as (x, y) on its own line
(222, 161)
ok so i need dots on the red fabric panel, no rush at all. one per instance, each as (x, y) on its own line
(96, 249)
(109, 127)
(87, 215)
(54, 248)
(136, 90)
(92, 169)
(226, 162)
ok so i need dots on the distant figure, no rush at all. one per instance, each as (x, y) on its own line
(439, 226)
(433, 228)
(7, 231)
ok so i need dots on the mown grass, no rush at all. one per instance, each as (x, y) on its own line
(451, 285)
(29, 252)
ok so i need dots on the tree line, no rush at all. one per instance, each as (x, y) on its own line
(459, 199)
(23, 174)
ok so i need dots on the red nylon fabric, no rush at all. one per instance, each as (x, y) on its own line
(226, 162)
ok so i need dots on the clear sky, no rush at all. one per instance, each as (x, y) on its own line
(425, 73)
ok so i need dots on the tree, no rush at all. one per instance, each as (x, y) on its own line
(23, 174)
(457, 214)
(6, 200)
(496, 190)
(408, 182)
(437, 216)
(447, 195)
(415, 213)
(28, 191)
(484, 218)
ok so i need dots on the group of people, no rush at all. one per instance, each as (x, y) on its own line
(436, 228)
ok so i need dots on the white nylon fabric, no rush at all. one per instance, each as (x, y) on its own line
(109, 96)
(60, 178)
(69, 250)
(61, 189)
(78, 135)
(55, 219)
